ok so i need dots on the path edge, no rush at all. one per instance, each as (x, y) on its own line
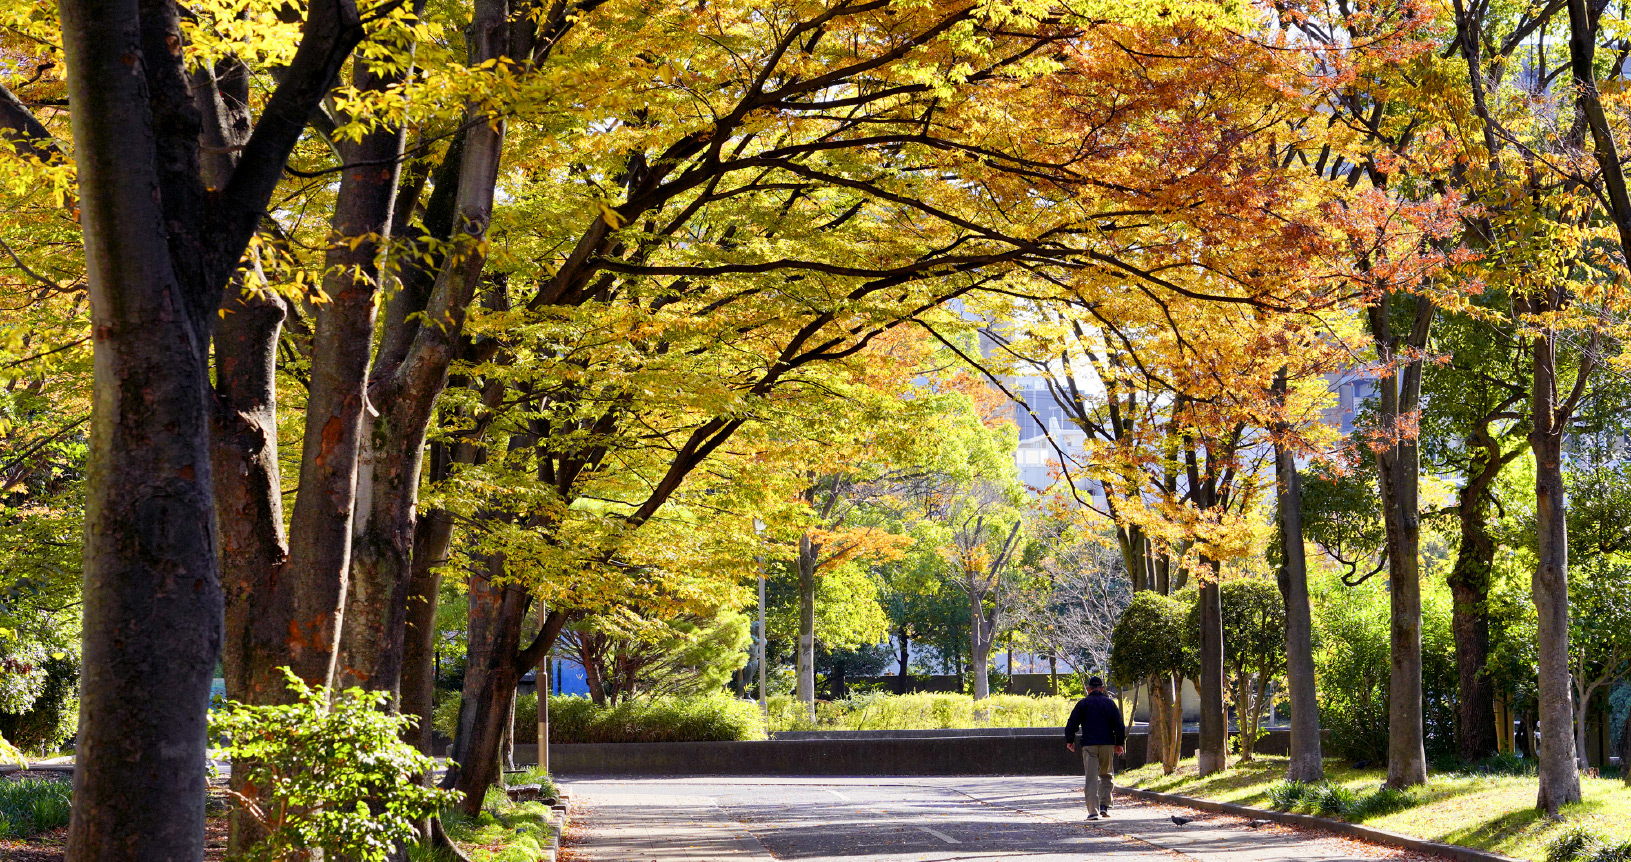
(1341, 827)
(561, 813)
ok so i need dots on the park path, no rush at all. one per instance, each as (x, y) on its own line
(1036, 819)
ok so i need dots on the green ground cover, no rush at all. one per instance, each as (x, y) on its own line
(504, 831)
(1488, 810)
(29, 806)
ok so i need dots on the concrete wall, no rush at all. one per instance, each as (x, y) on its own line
(959, 755)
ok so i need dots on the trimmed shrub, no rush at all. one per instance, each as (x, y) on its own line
(713, 718)
(29, 806)
(921, 711)
(1148, 639)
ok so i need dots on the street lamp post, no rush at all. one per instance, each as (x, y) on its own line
(759, 531)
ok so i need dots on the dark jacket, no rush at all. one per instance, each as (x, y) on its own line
(1099, 719)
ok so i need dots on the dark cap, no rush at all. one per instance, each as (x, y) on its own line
(1095, 682)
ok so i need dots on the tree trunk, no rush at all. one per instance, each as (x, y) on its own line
(506, 745)
(1625, 751)
(1399, 477)
(1581, 703)
(321, 525)
(1214, 737)
(1305, 764)
(1175, 726)
(1159, 736)
(496, 614)
(1242, 704)
(432, 537)
(902, 679)
(249, 515)
(153, 610)
(805, 663)
(979, 645)
(1559, 776)
(405, 393)
(152, 599)
(1469, 585)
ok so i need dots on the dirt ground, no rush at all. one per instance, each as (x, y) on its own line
(52, 846)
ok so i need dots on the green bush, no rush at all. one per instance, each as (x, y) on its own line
(444, 716)
(41, 721)
(1148, 639)
(712, 718)
(1352, 666)
(334, 772)
(921, 711)
(29, 806)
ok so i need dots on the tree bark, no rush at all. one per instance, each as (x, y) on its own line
(979, 645)
(1175, 726)
(1211, 756)
(1559, 775)
(1306, 762)
(153, 607)
(1399, 476)
(805, 663)
(243, 451)
(1582, 706)
(1160, 713)
(496, 615)
(432, 536)
(249, 515)
(405, 393)
(321, 524)
(1469, 585)
(161, 246)
(902, 680)
(1625, 752)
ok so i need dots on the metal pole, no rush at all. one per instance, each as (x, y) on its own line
(543, 697)
(764, 705)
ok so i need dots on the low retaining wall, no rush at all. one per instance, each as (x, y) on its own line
(972, 754)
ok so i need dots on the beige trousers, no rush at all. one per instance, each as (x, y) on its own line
(1098, 765)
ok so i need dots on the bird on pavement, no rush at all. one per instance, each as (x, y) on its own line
(1179, 820)
(1256, 823)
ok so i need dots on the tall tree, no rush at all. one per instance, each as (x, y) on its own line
(1306, 763)
(1397, 452)
(160, 247)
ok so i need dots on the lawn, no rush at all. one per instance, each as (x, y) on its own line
(1488, 811)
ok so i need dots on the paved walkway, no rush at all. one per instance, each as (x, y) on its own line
(911, 820)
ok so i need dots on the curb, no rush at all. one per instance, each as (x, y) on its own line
(10, 768)
(1341, 827)
(562, 810)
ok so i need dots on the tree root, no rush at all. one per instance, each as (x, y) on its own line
(440, 841)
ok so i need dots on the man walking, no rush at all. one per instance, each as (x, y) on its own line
(1103, 737)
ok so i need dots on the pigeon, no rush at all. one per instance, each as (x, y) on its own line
(1256, 823)
(1179, 820)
